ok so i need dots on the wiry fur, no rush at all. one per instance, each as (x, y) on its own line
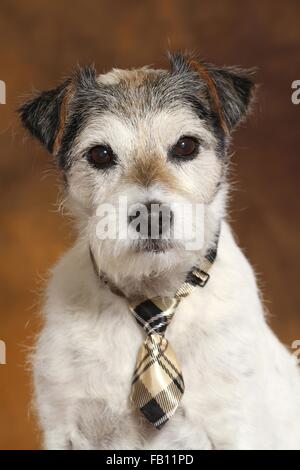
(242, 386)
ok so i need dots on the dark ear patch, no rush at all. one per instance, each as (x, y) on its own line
(41, 115)
(235, 89)
(229, 90)
(44, 116)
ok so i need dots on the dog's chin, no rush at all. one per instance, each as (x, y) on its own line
(153, 246)
(138, 259)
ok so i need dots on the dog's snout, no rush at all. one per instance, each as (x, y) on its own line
(160, 218)
(152, 220)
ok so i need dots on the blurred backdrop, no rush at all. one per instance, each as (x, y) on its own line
(42, 41)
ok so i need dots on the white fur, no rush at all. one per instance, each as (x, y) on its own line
(242, 386)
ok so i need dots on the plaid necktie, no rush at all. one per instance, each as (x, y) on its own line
(157, 385)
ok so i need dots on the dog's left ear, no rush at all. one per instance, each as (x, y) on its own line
(46, 114)
(229, 90)
(235, 89)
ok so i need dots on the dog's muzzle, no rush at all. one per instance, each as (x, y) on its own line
(152, 221)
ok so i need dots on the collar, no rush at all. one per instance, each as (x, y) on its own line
(197, 276)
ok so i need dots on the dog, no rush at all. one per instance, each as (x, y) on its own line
(157, 137)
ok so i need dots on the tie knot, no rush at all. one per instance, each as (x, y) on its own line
(155, 344)
(154, 315)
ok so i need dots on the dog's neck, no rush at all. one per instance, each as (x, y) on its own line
(163, 283)
(156, 284)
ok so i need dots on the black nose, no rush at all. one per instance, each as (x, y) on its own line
(153, 220)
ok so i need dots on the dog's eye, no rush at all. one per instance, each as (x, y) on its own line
(185, 147)
(101, 156)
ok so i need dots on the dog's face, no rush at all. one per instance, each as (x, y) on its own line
(146, 143)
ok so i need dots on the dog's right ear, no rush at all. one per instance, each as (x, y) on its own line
(46, 114)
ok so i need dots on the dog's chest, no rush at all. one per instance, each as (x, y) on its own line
(106, 371)
(108, 361)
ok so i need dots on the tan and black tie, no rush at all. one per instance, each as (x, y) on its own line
(157, 385)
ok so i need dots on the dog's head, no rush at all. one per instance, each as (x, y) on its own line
(139, 146)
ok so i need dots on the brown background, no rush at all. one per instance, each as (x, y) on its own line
(40, 42)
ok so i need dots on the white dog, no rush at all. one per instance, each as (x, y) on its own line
(154, 136)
